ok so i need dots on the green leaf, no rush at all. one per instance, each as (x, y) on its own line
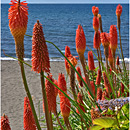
(105, 122)
(96, 127)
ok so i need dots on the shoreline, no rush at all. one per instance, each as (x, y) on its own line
(13, 93)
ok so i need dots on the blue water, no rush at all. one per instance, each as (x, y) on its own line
(60, 22)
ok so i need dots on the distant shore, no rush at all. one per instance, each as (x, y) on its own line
(13, 93)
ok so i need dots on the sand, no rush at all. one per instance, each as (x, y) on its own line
(13, 93)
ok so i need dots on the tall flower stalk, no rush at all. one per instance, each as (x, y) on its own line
(118, 13)
(80, 48)
(18, 19)
(40, 63)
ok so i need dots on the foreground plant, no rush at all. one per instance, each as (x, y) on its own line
(18, 19)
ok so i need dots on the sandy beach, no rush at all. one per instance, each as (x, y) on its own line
(13, 93)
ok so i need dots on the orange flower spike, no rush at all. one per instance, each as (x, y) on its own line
(18, 19)
(106, 83)
(93, 86)
(29, 122)
(40, 55)
(95, 10)
(96, 40)
(73, 60)
(110, 58)
(80, 102)
(90, 61)
(65, 107)
(50, 93)
(105, 40)
(5, 123)
(67, 54)
(62, 84)
(95, 23)
(117, 61)
(119, 10)
(98, 79)
(113, 38)
(56, 89)
(80, 41)
(99, 94)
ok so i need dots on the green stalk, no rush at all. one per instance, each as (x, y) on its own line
(48, 120)
(29, 95)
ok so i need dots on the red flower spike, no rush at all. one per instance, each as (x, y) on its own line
(113, 38)
(122, 90)
(95, 10)
(50, 93)
(117, 61)
(73, 61)
(93, 87)
(90, 61)
(18, 19)
(56, 89)
(80, 41)
(67, 54)
(95, 23)
(106, 83)
(98, 79)
(80, 103)
(118, 10)
(99, 94)
(105, 40)
(110, 58)
(128, 92)
(5, 123)
(96, 40)
(29, 122)
(104, 95)
(40, 56)
(78, 78)
(65, 107)
(62, 84)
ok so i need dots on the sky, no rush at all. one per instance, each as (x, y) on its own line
(72, 1)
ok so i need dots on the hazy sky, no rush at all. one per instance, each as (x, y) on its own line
(71, 1)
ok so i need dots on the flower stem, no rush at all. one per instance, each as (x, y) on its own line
(45, 101)
(29, 95)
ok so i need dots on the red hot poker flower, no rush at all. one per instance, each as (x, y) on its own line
(106, 83)
(90, 61)
(18, 19)
(56, 89)
(67, 54)
(62, 84)
(29, 122)
(105, 39)
(98, 79)
(95, 10)
(80, 102)
(110, 58)
(95, 23)
(73, 60)
(113, 38)
(122, 91)
(5, 123)
(65, 107)
(50, 93)
(99, 94)
(93, 87)
(78, 78)
(80, 41)
(118, 10)
(40, 56)
(96, 40)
